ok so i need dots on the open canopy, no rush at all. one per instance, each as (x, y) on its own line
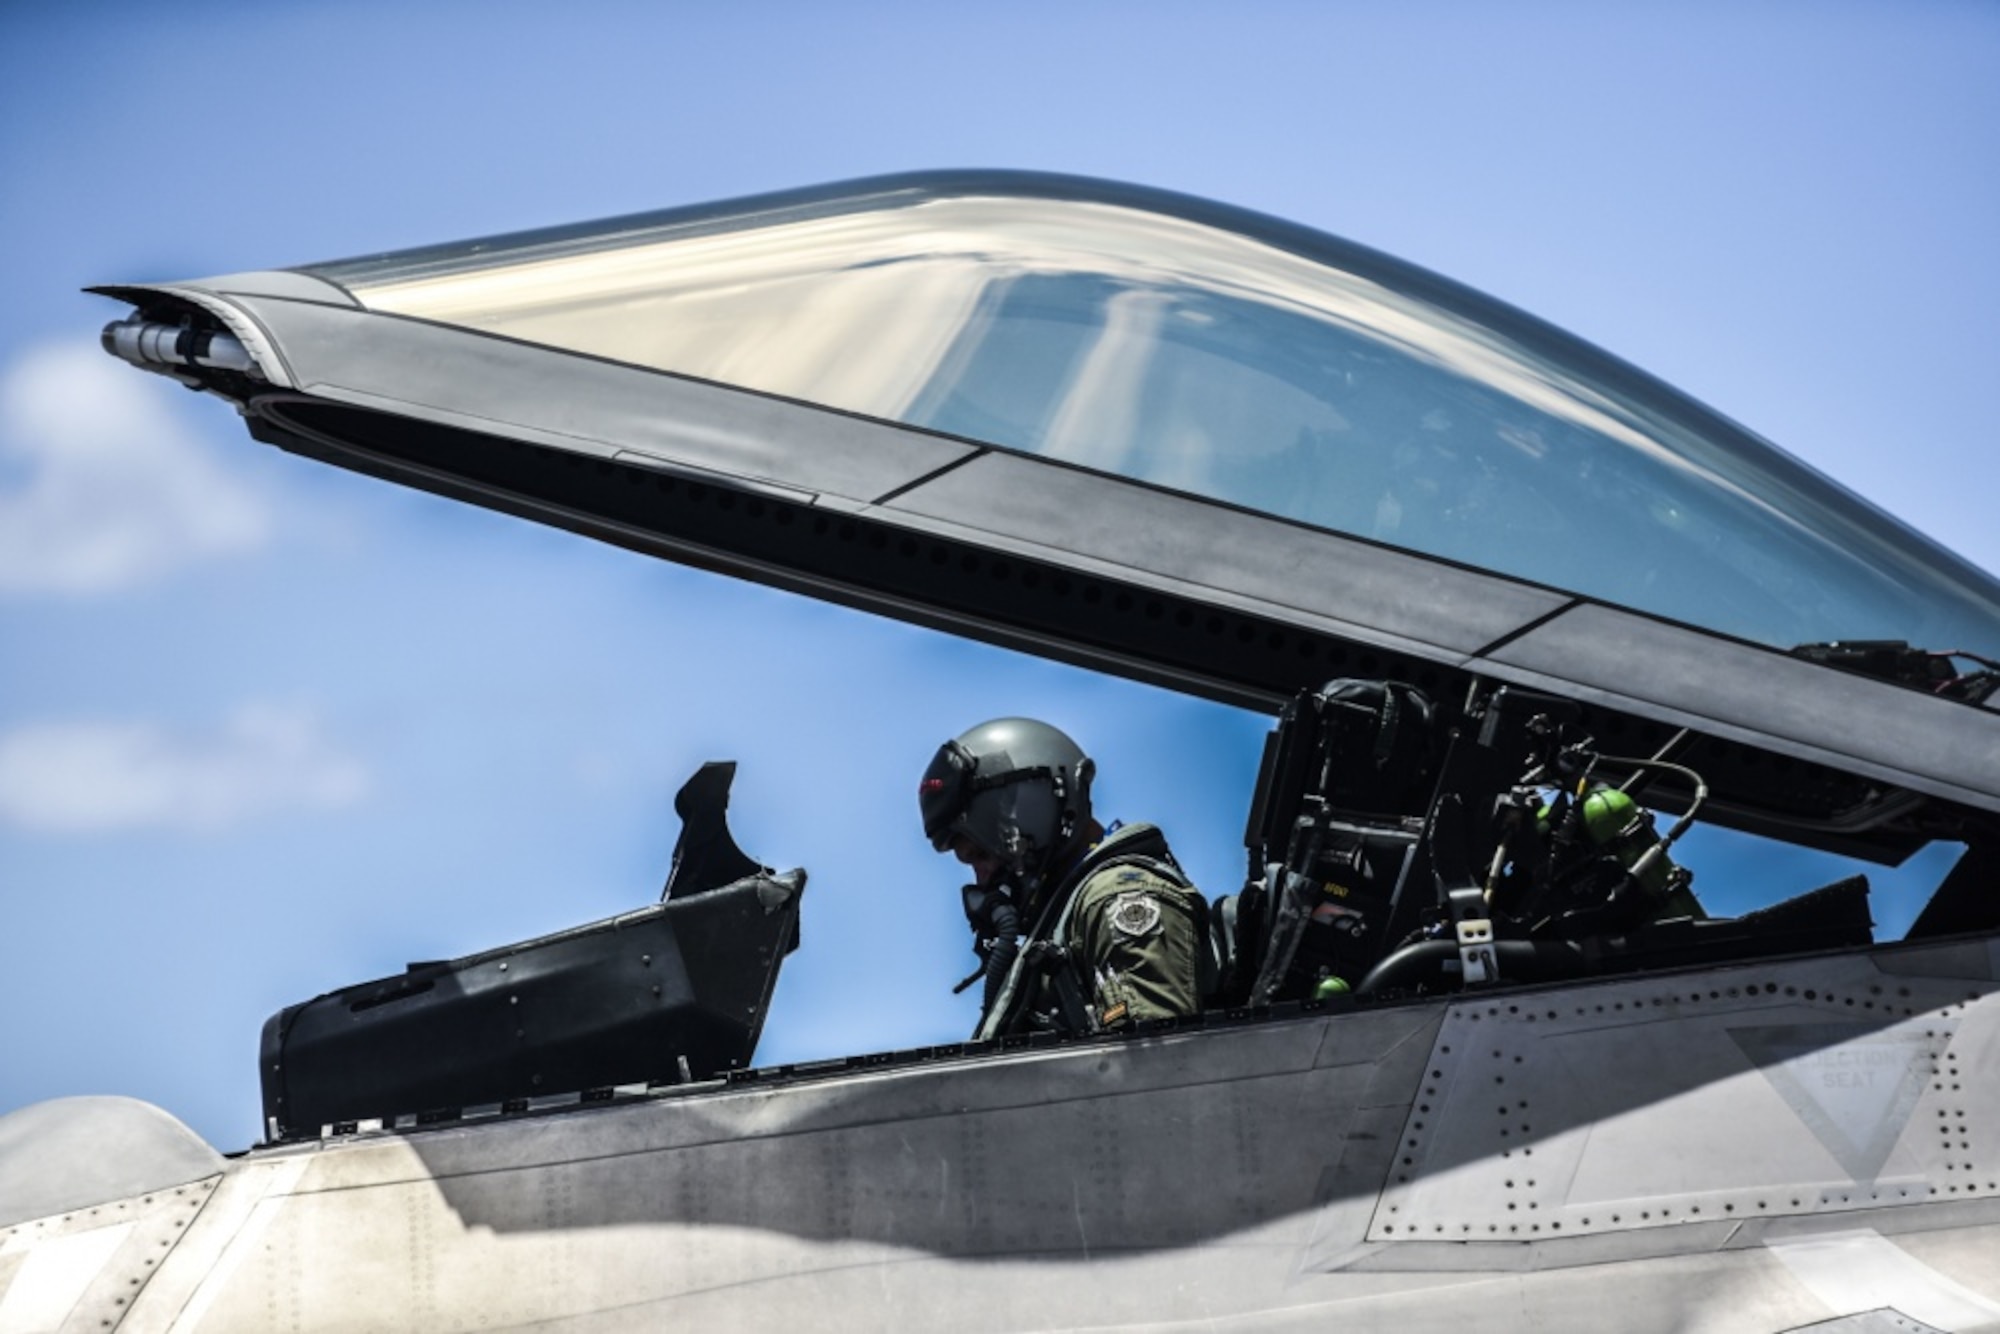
(1227, 355)
(1147, 434)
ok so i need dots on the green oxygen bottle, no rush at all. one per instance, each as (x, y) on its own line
(1615, 823)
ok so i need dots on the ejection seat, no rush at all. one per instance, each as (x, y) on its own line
(1383, 854)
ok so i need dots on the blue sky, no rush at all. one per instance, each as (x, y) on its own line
(267, 728)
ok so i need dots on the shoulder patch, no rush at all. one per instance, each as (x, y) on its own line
(1135, 914)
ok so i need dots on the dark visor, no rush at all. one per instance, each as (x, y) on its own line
(945, 791)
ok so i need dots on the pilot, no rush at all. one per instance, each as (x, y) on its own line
(1078, 930)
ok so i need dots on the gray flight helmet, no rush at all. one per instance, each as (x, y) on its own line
(1016, 787)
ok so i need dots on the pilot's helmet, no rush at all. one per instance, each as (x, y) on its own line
(1017, 788)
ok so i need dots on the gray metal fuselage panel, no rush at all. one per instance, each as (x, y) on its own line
(1692, 1142)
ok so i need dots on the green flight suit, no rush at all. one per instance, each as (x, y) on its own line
(1137, 938)
(1135, 930)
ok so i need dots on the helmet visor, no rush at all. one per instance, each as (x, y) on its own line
(945, 792)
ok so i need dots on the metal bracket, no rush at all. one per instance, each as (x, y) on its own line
(1475, 951)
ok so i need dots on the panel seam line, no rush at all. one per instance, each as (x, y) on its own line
(929, 477)
(1527, 628)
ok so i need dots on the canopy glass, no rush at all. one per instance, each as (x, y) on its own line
(1231, 356)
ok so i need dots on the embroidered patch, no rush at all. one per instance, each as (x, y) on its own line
(1135, 914)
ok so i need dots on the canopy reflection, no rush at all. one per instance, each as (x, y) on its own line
(1229, 356)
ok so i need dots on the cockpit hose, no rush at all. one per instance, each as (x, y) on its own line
(1435, 962)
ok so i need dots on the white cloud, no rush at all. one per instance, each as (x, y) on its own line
(91, 777)
(100, 488)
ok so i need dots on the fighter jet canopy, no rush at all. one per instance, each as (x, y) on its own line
(1151, 435)
(1228, 355)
